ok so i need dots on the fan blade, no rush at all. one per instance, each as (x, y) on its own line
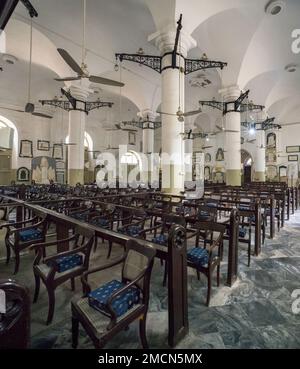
(230, 130)
(160, 112)
(105, 81)
(206, 147)
(193, 112)
(17, 110)
(41, 115)
(70, 61)
(219, 128)
(251, 141)
(290, 124)
(67, 79)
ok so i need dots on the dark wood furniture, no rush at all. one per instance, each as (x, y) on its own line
(15, 322)
(101, 327)
(46, 269)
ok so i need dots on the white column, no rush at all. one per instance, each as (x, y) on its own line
(232, 145)
(260, 157)
(76, 135)
(172, 99)
(188, 150)
(2, 42)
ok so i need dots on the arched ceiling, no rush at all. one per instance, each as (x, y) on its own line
(256, 45)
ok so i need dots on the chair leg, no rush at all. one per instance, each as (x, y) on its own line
(95, 243)
(208, 288)
(73, 284)
(37, 287)
(249, 253)
(198, 275)
(165, 274)
(218, 275)
(17, 261)
(51, 296)
(143, 336)
(7, 253)
(109, 249)
(75, 331)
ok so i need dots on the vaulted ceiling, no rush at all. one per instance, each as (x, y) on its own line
(256, 45)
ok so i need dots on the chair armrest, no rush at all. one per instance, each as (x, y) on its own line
(121, 290)
(65, 253)
(84, 282)
(216, 243)
(51, 243)
(193, 233)
(18, 223)
(11, 231)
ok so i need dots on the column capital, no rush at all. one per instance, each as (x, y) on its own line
(44, 110)
(2, 42)
(147, 115)
(230, 93)
(164, 40)
(80, 91)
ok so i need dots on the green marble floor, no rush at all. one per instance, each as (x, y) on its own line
(255, 313)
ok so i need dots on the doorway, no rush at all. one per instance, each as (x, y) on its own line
(246, 161)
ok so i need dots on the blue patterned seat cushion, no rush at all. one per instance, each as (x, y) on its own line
(30, 234)
(101, 222)
(64, 263)
(80, 216)
(268, 212)
(212, 205)
(242, 232)
(198, 256)
(244, 207)
(161, 239)
(121, 304)
(203, 215)
(132, 231)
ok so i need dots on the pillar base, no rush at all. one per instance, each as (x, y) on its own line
(259, 177)
(233, 177)
(75, 176)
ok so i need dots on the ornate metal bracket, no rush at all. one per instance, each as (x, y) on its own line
(30, 8)
(262, 126)
(192, 65)
(233, 106)
(74, 104)
(155, 62)
(146, 124)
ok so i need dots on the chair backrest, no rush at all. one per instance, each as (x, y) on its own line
(170, 219)
(212, 226)
(15, 323)
(139, 258)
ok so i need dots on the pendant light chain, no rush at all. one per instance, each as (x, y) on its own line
(84, 31)
(120, 97)
(30, 62)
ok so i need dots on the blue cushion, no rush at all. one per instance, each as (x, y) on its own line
(242, 232)
(212, 205)
(161, 239)
(244, 207)
(101, 222)
(123, 302)
(132, 231)
(79, 216)
(30, 234)
(64, 263)
(198, 256)
(203, 215)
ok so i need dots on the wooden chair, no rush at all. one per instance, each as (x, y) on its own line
(205, 260)
(62, 266)
(103, 317)
(15, 322)
(20, 235)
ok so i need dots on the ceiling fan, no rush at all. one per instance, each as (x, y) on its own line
(180, 114)
(119, 126)
(82, 70)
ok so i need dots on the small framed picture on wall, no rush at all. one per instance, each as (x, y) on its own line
(293, 158)
(26, 150)
(43, 145)
(57, 151)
